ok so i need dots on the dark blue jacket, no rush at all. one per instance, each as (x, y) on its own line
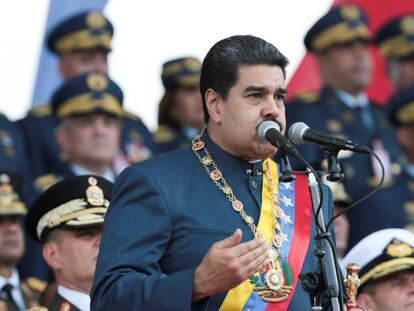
(164, 216)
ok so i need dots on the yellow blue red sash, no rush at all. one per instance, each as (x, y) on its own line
(294, 201)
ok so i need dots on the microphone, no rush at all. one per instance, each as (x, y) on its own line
(300, 133)
(270, 131)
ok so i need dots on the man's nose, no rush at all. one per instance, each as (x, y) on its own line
(270, 110)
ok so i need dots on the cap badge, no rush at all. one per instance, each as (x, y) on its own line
(399, 249)
(350, 12)
(192, 64)
(94, 194)
(95, 20)
(407, 25)
(97, 82)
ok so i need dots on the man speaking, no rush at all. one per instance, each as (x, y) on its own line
(210, 227)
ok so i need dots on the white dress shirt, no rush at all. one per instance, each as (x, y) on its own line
(81, 300)
(17, 294)
(79, 170)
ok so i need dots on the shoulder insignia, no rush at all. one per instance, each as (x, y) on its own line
(35, 284)
(40, 111)
(131, 115)
(43, 182)
(308, 97)
(334, 126)
(163, 135)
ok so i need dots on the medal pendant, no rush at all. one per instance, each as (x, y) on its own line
(274, 279)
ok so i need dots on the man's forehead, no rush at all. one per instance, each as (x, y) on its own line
(261, 76)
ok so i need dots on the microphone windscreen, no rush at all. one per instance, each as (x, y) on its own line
(266, 126)
(296, 132)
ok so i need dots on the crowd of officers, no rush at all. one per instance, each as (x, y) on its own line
(58, 163)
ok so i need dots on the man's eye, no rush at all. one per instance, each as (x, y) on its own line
(255, 95)
(280, 97)
(84, 234)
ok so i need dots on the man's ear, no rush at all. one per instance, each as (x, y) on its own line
(366, 300)
(51, 255)
(214, 103)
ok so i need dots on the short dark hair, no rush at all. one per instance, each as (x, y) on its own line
(220, 68)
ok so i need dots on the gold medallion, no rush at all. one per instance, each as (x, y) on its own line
(94, 194)
(207, 160)
(274, 279)
(198, 145)
(249, 220)
(227, 190)
(215, 175)
(237, 205)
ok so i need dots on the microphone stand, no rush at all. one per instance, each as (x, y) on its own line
(326, 278)
(285, 168)
(334, 169)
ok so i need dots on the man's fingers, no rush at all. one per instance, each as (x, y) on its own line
(256, 264)
(231, 241)
(246, 247)
(248, 257)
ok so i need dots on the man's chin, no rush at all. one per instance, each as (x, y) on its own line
(267, 151)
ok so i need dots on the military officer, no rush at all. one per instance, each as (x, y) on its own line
(89, 110)
(180, 112)
(210, 227)
(339, 41)
(402, 117)
(386, 258)
(395, 40)
(82, 44)
(67, 219)
(14, 294)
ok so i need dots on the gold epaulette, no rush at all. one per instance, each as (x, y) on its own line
(131, 115)
(163, 135)
(40, 111)
(308, 97)
(34, 284)
(43, 182)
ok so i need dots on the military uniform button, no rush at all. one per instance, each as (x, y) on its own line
(254, 184)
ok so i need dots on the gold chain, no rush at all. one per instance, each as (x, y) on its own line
(219, 180)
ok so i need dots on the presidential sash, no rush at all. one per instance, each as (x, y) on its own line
(295, 204)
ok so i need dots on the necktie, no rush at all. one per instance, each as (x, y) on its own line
(6, 292)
